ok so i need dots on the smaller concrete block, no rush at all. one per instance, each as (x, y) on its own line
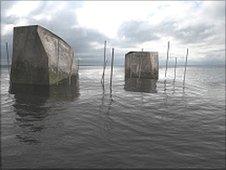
(141, 65)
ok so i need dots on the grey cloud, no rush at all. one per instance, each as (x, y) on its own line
(64, 24)
(194, 33)
(131, 33)
(4, 7)
(137, 32)
(216, 10)
(203, 34)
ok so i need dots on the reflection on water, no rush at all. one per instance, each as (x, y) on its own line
(30, 111)
(30, 106)
(141, 85)
(105, 108)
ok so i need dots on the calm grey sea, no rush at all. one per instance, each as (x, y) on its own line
(165, 126)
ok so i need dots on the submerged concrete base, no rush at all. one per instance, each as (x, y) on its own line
(140, 85)
(63, 91)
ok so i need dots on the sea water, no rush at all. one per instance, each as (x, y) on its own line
(168, 126)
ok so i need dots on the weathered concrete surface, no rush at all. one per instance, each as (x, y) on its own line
(141, 65)
(40, 57)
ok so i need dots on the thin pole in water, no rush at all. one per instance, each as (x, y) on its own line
(58, 58)
(175, 69)
(104, 65)
(7, 54)
(185, 68)
(78, 62)
(112, 65)
(167, 58)
(71, 64)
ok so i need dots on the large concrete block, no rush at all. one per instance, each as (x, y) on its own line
(141, 65)
(40, 57)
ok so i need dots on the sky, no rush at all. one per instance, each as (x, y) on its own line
(126, 26)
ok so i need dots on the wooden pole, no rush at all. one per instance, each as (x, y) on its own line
(175, 69)
(167, 58)
(185, 68)
(112, 65)
(58, 58)
(104, 64)
(7, 54)
(71, 64)
(78, 62)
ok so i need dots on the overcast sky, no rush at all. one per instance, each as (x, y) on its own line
(197, 25)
